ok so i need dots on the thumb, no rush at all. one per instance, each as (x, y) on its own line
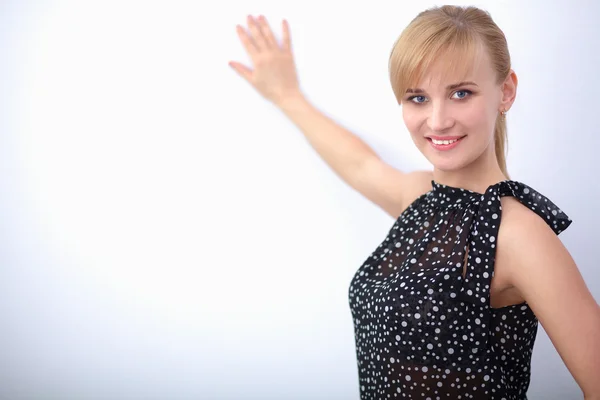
(242, 70)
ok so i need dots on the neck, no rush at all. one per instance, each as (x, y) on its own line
(477, 176)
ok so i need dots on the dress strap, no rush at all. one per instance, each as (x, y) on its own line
(538, 203)
(483, 234)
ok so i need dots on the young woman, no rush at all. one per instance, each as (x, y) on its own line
(447, 306)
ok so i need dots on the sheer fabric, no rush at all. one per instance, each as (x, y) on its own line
(423, 330)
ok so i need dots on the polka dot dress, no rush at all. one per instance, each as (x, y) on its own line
(423, 330)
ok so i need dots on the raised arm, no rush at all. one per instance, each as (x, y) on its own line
(274, 77)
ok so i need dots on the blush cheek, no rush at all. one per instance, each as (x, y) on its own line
(411, 120)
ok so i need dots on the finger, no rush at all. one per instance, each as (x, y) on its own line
(267, 32)
(286, 36)
(257, 36)
(242, 70)
(247, 41)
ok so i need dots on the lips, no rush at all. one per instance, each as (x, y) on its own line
(441, 138)
(445, 143)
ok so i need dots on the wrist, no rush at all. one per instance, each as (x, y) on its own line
(291, 102)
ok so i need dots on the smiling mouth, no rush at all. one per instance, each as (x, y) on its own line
(442, 145)
(444, 142)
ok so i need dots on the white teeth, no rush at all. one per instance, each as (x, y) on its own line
(444, 141)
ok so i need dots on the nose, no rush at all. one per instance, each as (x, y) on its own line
(439, 118)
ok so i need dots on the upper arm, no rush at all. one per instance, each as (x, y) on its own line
(542, 270)
(391, 189)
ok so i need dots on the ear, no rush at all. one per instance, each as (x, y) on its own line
(509, 91)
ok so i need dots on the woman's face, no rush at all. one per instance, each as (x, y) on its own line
(439, 111)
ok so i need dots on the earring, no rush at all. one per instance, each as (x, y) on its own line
(504, 115)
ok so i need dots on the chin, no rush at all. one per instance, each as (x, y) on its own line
(450, 161)
(448, 164)
(448, 167)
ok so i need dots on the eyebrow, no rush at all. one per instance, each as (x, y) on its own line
(449, 87)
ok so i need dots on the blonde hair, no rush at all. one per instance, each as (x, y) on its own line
(458, 32)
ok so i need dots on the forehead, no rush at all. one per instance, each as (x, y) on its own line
(454, 66)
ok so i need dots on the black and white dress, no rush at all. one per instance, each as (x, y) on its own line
(422, 330)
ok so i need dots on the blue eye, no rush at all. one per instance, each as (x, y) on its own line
(464, 92)
(417, 97)
(459, 94)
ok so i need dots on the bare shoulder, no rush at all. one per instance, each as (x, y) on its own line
(525, 243)
(417, 184)
(519, 220)
(392, 190)
(519, 225)
(512, 212)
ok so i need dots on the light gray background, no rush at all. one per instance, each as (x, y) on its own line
(167, 234)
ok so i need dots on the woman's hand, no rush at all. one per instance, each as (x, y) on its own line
(274, 75)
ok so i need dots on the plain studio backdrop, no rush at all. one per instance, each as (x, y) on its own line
(167, 234)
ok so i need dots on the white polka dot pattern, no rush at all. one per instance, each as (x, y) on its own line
(425, 331)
